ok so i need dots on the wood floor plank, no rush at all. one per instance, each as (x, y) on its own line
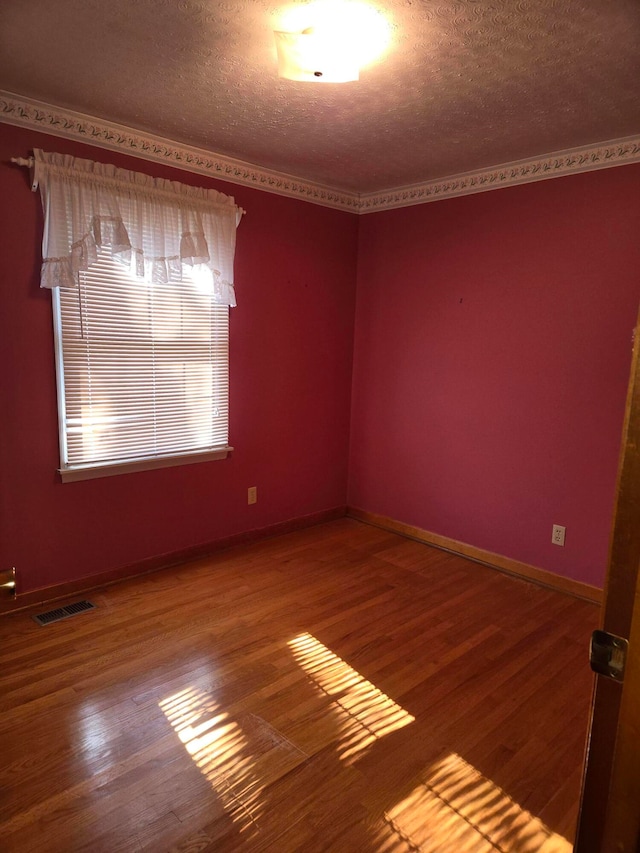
(338, 688)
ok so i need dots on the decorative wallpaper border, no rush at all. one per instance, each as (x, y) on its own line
(71, 125)
(617, 152)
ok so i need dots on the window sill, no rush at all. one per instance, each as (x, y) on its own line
(106, 469)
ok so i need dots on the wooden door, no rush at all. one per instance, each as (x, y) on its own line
(609, 820)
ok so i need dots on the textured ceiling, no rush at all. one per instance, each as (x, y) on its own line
(464, 84)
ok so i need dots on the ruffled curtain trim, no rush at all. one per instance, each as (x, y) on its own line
(151, 225)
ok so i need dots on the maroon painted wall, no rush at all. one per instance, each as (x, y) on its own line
(492, 354)
(492, 350)
(291, 340)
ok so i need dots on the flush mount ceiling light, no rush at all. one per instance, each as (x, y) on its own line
(310, 56)
(329, 42)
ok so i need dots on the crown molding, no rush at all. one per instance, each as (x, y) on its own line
(588, 158)
(36, 115)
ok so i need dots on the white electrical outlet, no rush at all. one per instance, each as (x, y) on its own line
(557, 534)
(252, 495)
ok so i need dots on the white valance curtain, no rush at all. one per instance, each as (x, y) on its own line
(151, 225)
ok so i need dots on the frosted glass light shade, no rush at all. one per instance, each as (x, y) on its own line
(314, 57)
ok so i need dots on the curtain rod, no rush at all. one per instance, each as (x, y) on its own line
(29, 162)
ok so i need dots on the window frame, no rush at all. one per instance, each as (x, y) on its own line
(93, 470)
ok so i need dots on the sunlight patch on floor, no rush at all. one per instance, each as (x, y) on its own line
(455, 809)
(219, 749)
(366, 713)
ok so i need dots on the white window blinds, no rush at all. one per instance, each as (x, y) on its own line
(142, 279)
(144, 368)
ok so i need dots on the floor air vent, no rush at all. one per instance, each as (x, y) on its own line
(63, 612)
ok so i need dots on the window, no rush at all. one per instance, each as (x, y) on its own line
(141, 319)
(142, 371)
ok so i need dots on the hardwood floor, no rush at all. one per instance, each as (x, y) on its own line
(335, 689)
